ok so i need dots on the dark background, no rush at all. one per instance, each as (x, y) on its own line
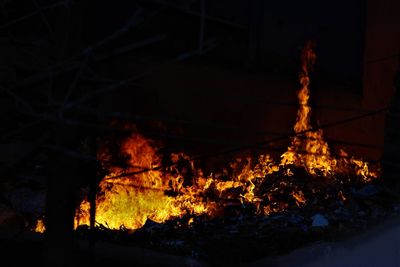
(258, 35)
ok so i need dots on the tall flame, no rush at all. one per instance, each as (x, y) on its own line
(308, 148)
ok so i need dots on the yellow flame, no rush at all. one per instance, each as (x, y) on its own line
(308, 149)
(131, 201)
(40, 226)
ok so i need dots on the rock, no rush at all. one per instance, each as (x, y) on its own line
(319, 221)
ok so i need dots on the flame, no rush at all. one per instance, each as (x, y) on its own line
(363, 170)
(299, 197)
(147, 192)
(40, 226)
(132, 200)
(308, 148)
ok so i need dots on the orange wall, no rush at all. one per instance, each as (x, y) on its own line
(382, 48)
(382, 43)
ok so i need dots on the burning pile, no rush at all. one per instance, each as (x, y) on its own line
(248, 186)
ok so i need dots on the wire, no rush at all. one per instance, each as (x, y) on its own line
(258, 144)
(382, 58)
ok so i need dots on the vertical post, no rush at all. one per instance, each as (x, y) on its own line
(60, 201)
(63, 179)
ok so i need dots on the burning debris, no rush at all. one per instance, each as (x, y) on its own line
(306, 175)
(165, 201)
(249, 208)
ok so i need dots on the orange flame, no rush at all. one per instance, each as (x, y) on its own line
(299, 197)
(308, 148)
(40, 226)
(131, 201)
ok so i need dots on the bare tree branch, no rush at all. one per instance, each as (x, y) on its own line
(18, 99)
(40, 10)
(43, 16)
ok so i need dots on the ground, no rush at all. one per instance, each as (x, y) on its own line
(378, 246)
